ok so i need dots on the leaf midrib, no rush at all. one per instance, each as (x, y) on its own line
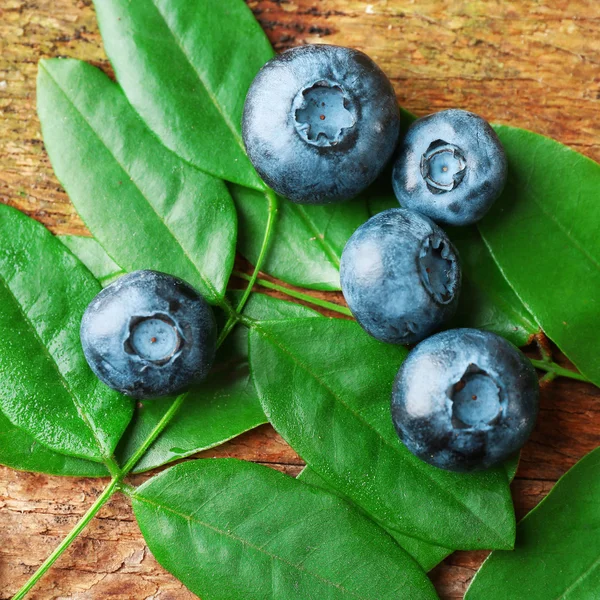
(370, 426)
(205, 281)
(245, 543)
(61, 377)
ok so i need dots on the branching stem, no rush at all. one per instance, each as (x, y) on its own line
(262, 255)
(343, 310)
(558, 371)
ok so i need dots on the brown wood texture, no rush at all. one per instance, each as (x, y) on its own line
(531, 63)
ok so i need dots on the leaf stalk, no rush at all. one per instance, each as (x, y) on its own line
(81, 525)
(343, 310)
(270, 228)
(558, 371)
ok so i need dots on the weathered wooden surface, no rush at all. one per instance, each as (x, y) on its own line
(534, 64)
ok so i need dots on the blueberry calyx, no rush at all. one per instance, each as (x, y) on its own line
(477, 400)
(443, 167)
(438, 268)
(323, 114)
(155, 339)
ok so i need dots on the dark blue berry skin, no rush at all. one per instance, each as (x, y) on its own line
(320, 123)
(451, 167)
(400, 276)
(148, 335)
(465, 400)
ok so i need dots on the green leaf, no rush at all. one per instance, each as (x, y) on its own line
(232, 530)
(223, 407)
(486, 299)
(186, 67)
(147, 208)
(19, 450)
(46, 386)
(427, 555)
(94, 257)
(550, 206)
(328, 378)
(308, 240)
(557, 553)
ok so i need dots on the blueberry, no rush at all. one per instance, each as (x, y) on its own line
(451, 167)
(149, 334)
(465, 400)
(320, 123)
(400, 276)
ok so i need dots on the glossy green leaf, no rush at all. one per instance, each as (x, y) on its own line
(223, 407)
(233, 530)
(308, 240)
(94, 257)
(550, 207)
(327, 377)
(185, 66)
(486, 299)
(46, 386)
(427, 555)
(19, 450)
(146, 207)
(557, 553)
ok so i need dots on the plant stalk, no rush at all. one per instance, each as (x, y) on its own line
(158, 429)
(81, 525)
(558, 371)
(343, 310)
(270, 228)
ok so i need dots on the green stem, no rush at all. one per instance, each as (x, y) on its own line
(225, 305)
(127, 489)
(113, 467)
(81, 525)
(551, 367)
(272, 210)
(299, 295)
(158, 429)
(229, 325)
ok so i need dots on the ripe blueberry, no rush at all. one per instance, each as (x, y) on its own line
(451, 167)
(149, 334)
(400, 276)
(320, 123)
(465, 400)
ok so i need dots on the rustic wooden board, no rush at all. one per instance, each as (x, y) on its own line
(531, 63)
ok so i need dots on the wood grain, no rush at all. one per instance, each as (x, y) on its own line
(531, 63)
